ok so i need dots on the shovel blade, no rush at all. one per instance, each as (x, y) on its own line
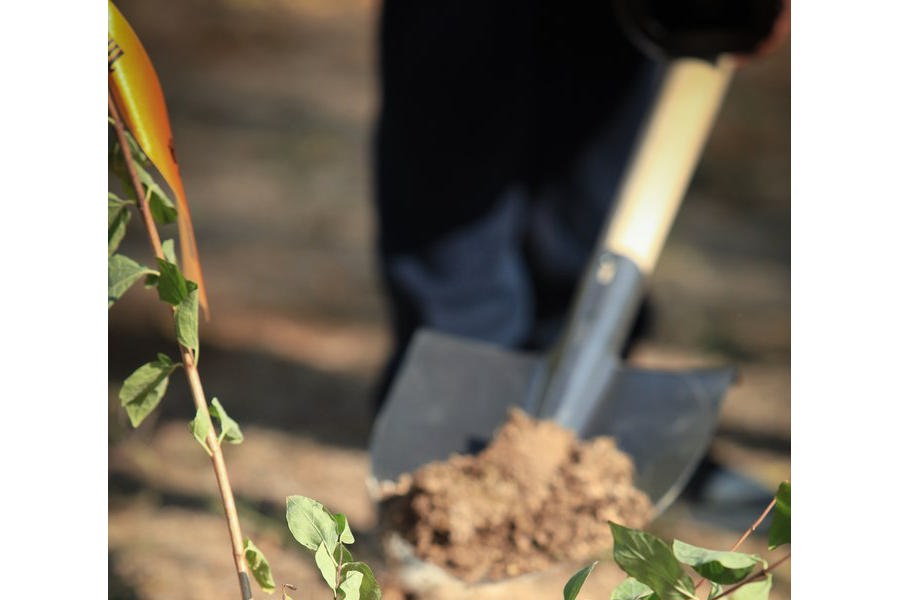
(664, 420)
(451, 395)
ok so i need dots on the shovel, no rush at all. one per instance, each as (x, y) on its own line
(451, 394)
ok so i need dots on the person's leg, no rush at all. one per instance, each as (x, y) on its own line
(471, 282)
(486, 112)
(452, 137)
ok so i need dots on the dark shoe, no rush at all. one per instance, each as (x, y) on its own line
(724, 498)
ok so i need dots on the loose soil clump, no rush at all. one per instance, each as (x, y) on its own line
(534, 497)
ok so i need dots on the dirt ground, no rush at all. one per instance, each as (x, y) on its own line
(272, 105)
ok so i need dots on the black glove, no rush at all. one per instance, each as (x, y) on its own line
(699, 28)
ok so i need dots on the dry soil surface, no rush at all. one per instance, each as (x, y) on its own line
(535, 496)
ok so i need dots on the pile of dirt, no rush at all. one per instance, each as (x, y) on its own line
(535, 496)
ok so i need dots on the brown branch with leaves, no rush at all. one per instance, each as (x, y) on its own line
(145, 387)
(656, 569)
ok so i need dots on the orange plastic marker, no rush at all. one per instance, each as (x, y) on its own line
(139, 99)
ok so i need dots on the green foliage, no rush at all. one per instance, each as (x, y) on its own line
(259, 566)
(720, 567)
(351, 586)
(199, 427)
(186, 320)
(172, 286)
(118, 217)
(573, 586)
(324, 533)
(342, 556)
(758, 590)
(780, 532)
(328, 567)
(649, 560)
(144, 388)
(656, 572)
(632, 589)
(161, 206)
(122, 272)
(366, 589)
(343, 526)
(311, 524)
(168, 251)
(230, 431)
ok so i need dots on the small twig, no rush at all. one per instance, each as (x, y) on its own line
(340, 566)
(747, 534)
(143, 207)
(755, 524)
(284, 595)
(193, 376)
(761, 574)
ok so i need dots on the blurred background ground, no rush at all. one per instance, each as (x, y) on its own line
(272, 105)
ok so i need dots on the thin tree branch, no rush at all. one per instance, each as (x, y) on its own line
(755, 525)
(747, 534)
(143, 206)
(193, 376)
(759, 575)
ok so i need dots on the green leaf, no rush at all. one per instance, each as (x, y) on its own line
(758, 590)
(230, 430)
(311, 524)
(118, 217)
(186, 321)
(144, 388)
(199, 426)
(342, 556)
(650, 560)
(117, 162)
(720, 567)
(168, 250)
(327, 566)
(573, 586)
(136, 152)
(780, 532)
(343, 528)
(367, 589)
(632, 589)
(714, 590)
(161, 206)
(350, 586)
(259, 566)
(122, 272)
(172, 286)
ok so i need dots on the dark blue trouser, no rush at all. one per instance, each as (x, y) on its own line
(503, 133)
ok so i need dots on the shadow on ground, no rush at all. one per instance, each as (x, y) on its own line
(258, 389)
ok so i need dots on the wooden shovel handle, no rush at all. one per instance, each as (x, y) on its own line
(664, 162)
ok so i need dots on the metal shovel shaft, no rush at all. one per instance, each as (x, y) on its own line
(625, 255)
